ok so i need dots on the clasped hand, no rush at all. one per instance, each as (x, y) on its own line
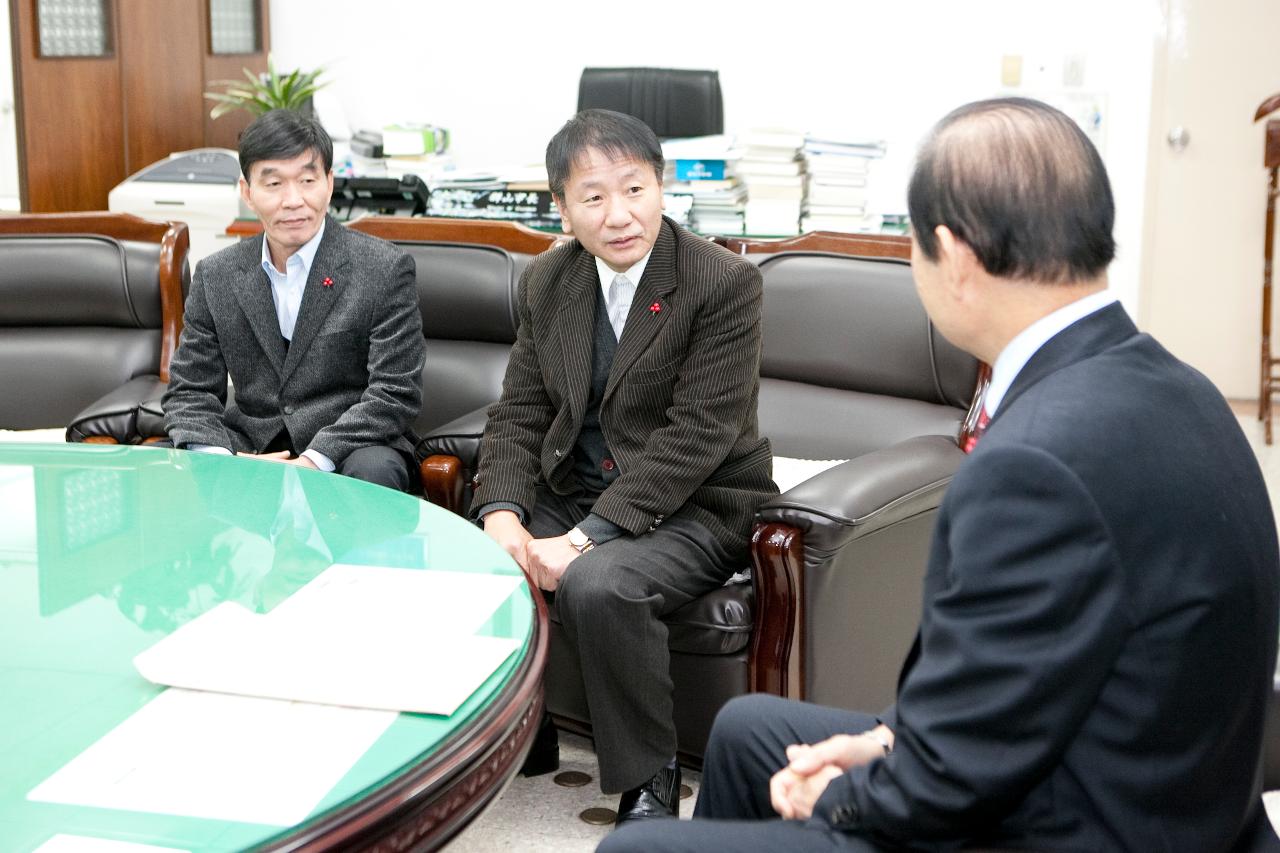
(795, 789)
(543, 560)
(283, 456)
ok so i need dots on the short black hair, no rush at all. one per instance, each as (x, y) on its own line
(612, 133)
(1021, 185)
(283, 135)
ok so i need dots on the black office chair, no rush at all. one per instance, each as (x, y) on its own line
(674, 102)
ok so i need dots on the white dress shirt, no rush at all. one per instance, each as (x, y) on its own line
(1027, 343)
(286, 292)
(619, 289)
(287, 286)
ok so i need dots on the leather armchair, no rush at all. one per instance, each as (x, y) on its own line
(852, 369)
(91, 310)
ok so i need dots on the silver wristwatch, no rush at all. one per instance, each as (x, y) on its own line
(580, 541)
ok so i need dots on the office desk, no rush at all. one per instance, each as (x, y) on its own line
(105, 550)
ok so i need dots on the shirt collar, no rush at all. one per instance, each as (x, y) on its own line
(305, 255)
(633, 274)
(1028, 342)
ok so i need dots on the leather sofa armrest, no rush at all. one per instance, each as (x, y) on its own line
(863, 495)
(118, 417)
(460, 437)
(821, 577)
(447, 458)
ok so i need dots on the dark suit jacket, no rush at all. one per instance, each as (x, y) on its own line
(351, 377)
(679, 409)
(1100, 621)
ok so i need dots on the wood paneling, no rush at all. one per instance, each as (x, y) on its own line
(70, 122)
(225, 131)
(161, 78)
(86, 124)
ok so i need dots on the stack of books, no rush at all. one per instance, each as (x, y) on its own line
(772, 168)
(838, 173)
(518, 195)
(700, 170)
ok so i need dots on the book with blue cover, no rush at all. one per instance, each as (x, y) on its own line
(700, 170)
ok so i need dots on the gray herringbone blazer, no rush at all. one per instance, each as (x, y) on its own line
(350, 378)
(679, 409)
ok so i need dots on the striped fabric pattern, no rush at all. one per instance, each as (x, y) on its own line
(679, 410)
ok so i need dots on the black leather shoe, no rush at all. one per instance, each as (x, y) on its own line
(657, 798)
(544, 754)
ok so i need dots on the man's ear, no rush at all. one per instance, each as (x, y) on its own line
(957, 261)
(244, 192)
(565, 224)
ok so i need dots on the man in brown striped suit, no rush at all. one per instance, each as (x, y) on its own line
(622, 466)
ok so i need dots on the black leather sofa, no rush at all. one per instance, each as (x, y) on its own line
(91, 309)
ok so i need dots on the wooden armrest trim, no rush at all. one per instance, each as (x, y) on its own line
(442, 481)
(777, 638)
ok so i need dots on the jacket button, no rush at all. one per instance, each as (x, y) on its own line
(607, 465)
(844, 814)
(558, 453)
(288, 410)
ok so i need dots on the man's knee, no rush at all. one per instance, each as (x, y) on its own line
(380, 465)
(589, 588)
(743, 715)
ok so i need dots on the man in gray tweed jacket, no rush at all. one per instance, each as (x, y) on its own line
(317, 327)
(622, 466)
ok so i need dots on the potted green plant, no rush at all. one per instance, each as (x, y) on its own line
(260, 93)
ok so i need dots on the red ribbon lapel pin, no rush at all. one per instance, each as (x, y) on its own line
(328, 282)
(655, 307)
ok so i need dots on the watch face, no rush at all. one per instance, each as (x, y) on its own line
(577, 538)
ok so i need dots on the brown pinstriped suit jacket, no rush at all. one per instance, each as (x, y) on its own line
(679, 409)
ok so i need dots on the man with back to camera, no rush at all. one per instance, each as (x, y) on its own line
(1099, 631)
(622, 466)
(317, 326)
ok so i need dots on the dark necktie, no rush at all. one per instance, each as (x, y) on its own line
(978, 429)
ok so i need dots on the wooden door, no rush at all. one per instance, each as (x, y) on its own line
(86, 123)
(161, 78)
(1201, 289)
(70, 120)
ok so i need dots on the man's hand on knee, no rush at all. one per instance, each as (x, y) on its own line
(548, 559)
(842, 751)
(277, 456)
(504, 527)
(793, 795)
(283, 456)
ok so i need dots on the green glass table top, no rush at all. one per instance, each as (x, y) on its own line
(105, 550)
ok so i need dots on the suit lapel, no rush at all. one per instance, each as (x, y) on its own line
(318, 298)
(643, 321)
(253, 292)
(1086, 337)
(576, 327)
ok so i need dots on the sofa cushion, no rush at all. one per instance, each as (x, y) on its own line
(856, 324)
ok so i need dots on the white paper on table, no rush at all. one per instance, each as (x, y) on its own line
(63, 843)
(210, 755)
(448, 603)
(357, 636)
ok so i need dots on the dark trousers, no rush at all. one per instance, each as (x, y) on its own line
(748, 745)
(378, 464)
(611, 601)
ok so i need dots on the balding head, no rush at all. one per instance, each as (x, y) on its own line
(1021, 185)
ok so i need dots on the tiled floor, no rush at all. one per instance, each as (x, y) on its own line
(538, 816)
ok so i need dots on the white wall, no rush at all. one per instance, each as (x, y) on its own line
(504, 77)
